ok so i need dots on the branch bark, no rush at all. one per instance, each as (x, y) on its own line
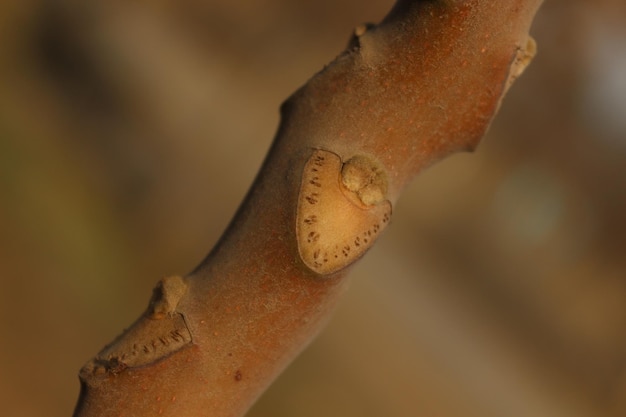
(421, 85)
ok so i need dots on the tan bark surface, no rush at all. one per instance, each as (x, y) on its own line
(421, 85)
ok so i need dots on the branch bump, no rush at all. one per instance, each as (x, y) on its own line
(342, 209)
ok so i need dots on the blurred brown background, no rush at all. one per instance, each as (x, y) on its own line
(130, 131)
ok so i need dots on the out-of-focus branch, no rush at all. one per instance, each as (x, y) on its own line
(422, 84)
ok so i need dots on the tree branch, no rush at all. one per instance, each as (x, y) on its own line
(421, 85)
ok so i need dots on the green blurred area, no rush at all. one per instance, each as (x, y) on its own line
(130, 131)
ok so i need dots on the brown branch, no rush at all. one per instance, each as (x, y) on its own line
(421, 85)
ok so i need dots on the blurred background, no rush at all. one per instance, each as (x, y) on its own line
(498, 290)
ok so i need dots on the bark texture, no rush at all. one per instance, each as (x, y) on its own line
(423, 84)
